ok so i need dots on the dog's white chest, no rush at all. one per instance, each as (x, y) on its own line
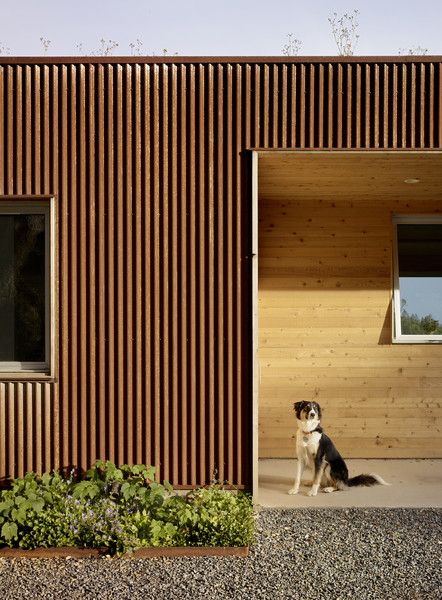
(308, 442)
(311, 441)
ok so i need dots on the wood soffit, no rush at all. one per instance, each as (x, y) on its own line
(308, 175)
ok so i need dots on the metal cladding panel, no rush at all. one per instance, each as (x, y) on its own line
(146, 161)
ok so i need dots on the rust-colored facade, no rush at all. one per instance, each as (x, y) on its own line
(147, 160)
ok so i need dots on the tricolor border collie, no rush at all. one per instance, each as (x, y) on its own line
(315, 449)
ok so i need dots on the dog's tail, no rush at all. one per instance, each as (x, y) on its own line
(366, 480)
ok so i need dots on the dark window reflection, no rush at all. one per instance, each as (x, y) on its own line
(22, 288)
(420, 250)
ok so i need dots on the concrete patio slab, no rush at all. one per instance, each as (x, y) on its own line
(414, 483)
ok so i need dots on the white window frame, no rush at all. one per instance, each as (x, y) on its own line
(398, 337)
(46, 207)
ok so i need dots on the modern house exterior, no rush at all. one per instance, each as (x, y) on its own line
(189, 245)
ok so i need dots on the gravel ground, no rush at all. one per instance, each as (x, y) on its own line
(298, 554)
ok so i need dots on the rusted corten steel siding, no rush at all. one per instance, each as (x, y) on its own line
(147, 163)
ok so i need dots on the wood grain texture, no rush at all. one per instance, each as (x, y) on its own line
(325, 256)
(148, 161)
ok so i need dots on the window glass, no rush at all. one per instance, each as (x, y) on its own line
(419, 278)
(22, 288)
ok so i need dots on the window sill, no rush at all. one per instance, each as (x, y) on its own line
(26, 376)
(416, 339)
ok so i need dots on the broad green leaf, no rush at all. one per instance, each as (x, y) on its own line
(5, 506)
(46, 479)
(18, 515)
(85, 489)
(170, 528)
(149, 473)
(38, 504)
(9, 531)
(126, 490)
(118, 474)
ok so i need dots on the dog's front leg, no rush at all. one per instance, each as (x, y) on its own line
(299, 471)
(319, 472)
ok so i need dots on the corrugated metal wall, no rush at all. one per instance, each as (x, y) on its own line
(146, 160)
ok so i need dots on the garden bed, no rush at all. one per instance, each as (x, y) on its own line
(114, 510)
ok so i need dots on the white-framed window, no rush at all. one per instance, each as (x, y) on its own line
(26, 286)
(417, 297)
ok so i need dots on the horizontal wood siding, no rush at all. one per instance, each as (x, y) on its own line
(146, 160)
(325, 322)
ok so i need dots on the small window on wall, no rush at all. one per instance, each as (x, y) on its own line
(26, 286)
(418, 279)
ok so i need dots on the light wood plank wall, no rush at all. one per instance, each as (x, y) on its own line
(325, 330)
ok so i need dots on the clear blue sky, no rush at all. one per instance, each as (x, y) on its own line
(207, 27)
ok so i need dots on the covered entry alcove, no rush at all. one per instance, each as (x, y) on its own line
(324, 292)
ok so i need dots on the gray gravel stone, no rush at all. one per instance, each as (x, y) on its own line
(373, 554)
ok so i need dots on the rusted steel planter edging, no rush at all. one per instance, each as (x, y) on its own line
(171, 552)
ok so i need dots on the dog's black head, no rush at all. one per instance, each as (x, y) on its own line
(307, 410)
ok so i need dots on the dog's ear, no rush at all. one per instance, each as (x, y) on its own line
(298, 406)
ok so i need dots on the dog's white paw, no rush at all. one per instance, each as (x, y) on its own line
(292, 491)
(312, 493)
(329, 490)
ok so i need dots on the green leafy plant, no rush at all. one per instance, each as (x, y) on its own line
(99, 523)
(219, 517)
(31, 511)
(121, 509)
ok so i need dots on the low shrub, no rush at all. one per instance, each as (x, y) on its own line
(32, 512)
(210, 516)
(122, 509)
